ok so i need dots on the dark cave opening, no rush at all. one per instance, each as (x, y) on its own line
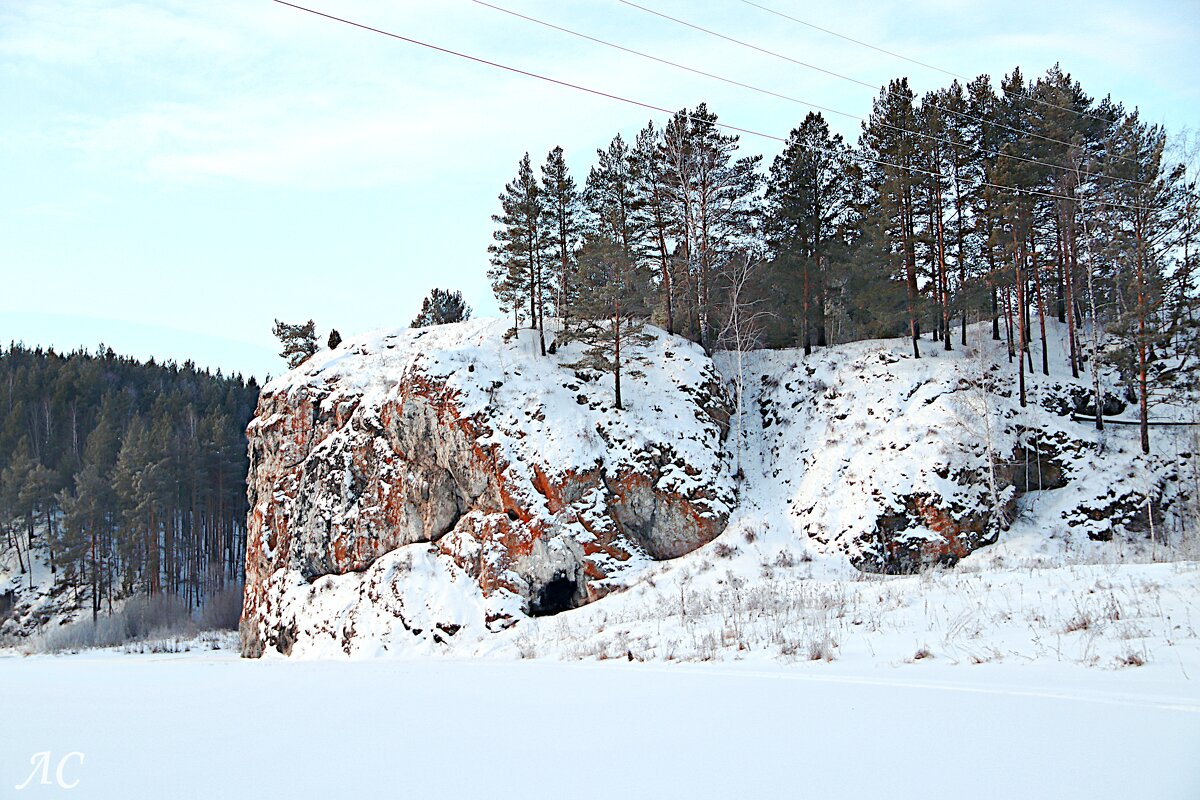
(553, 597)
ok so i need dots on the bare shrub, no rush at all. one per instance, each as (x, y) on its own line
(723, 550)
(1080, 622)
(1132, 659)
(139, 618)
(222, 611)
(821, 648)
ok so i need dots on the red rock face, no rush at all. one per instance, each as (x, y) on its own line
(334, 485)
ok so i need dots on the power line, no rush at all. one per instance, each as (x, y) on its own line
(619, 98)
(847, 78)
(809, 104)
(912, 60)
(569, 85)
(516, 70)
(772, 53)
(855, 41)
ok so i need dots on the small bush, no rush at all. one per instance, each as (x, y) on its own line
(821, 649)
(139, 618)
(1079, 622)
(723, 550)
(162, 623)
(1132, 659)
(222, 611)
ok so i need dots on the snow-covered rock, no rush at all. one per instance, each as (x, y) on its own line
(423, 490)
(898, 462)
(527, 491)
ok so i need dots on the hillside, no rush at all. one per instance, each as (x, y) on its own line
(118, 478)
(449, 491)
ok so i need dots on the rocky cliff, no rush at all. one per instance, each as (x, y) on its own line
(422, 490)
(527, 491)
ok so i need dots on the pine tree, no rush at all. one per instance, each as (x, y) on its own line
(12, 482)
(516, 255)
(612, 305)
(984, 200)
(1140, 230)
(88, 515)
(964, 173)
(299, 341)
(891, 179)
(36, 500)
(653, 215)
(611, 197)
(564, 222)
(935, 154)
(1072, 137)
(714, 197)
(807, 200)
(441, 307)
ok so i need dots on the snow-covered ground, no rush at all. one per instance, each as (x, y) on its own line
(207, 724)
(983, 681)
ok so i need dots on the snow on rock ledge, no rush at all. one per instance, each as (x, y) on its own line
(898, 463)
(444, 481)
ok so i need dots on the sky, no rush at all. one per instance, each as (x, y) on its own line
(178, 175)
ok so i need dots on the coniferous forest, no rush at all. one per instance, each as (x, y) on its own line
(132, 475)
(1009, 204)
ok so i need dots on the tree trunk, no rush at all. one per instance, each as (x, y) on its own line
(1037, 282)
(941, 255)
(910, 267)
(991, 260)
(617, 357)
(1143, 302)
(541, 329)
(1008, 321)
(1021, 335)
(1060, 305)
(805, 339)
(665, 266)
(962, 262)
(1069, 289)
(564, 245)
(15, 539)
(1091, 288)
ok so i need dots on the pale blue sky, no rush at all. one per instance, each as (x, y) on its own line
(178, 174)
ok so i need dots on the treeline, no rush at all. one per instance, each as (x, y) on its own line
(1015, 204)
(135, 473)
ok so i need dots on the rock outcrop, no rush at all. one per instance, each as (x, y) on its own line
(899, 464)
(496, 469)
(424, 491)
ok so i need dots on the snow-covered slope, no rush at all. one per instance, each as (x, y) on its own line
(436, 491)
(28, 600)
(897, 462)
